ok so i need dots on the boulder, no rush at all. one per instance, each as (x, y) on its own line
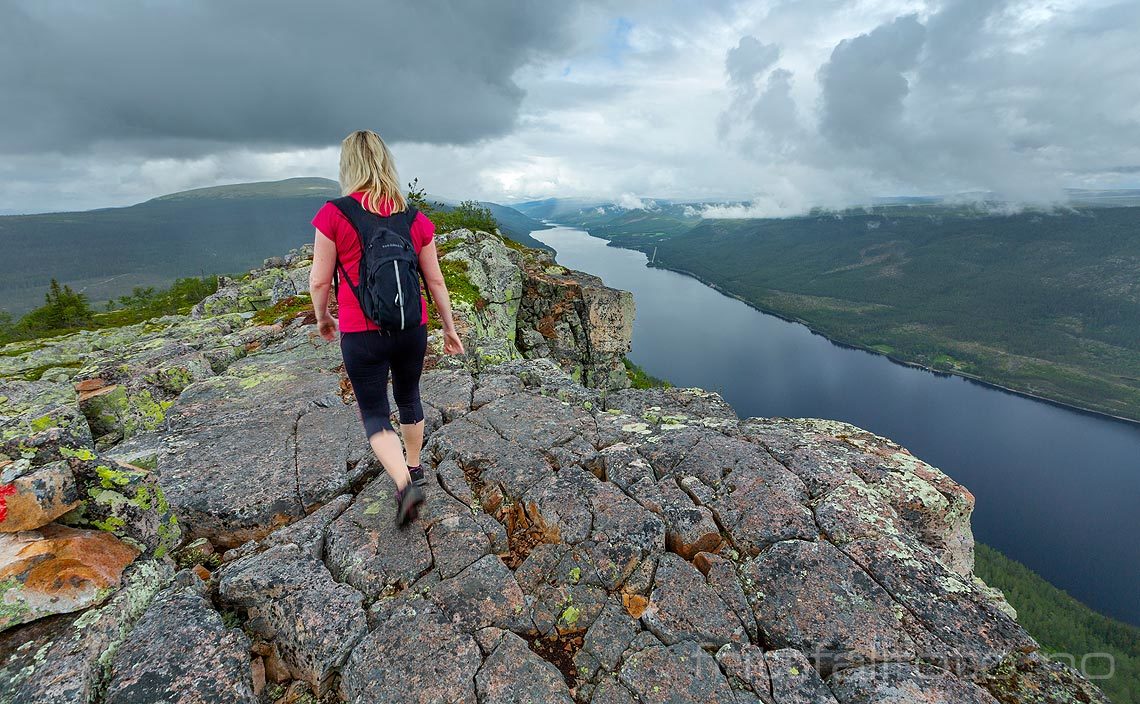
(56, 570)
(127, 501)
(31, 407)
(31, 497)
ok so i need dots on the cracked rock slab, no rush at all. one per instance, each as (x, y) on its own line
(484, 594)
(291, 599)
(366, 550)
(683, 607)
(65, 659)
(180, 651)
(680, 674)
(513, 674)
(389, 664)
(794, 680)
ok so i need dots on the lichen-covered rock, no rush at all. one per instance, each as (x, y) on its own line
(574, 319)
(812, 597)
(487, 296)
(180, 651)
(124, 500)
(56, 570)
(122, 412)
(904, 683)
(31, 407)
(1037, 679)
(564, 586)
(389, 664)
(289, 598)
(31, 497)
(67, 659)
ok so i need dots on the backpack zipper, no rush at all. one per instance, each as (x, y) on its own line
(399, 293)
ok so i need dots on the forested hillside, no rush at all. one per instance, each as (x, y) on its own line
(1047, 304)
(1064, 625)
(107, 253)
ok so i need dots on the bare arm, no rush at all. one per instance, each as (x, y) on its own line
(320, 281)
(429, 265)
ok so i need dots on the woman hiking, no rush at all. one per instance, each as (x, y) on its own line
(375, 207)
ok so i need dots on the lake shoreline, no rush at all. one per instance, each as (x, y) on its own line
(1133, 422)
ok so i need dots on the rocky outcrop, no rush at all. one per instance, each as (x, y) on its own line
(582, 542)
(518, 302)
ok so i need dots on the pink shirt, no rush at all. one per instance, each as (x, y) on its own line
(332, 223)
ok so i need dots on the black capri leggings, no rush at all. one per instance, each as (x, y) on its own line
(367, 358)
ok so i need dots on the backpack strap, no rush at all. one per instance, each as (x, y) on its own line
(360, 218)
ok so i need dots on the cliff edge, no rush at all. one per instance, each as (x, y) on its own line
(189, 512)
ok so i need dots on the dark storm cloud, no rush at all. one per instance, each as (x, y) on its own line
(183, 78)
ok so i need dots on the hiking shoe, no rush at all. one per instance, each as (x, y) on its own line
(418, 477)
(408, 501)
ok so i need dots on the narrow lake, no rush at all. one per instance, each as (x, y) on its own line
(1056, 489)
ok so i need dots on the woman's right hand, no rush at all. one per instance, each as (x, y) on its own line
(327, 326)
(451, 342)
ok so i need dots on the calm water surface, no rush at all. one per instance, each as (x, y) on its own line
(1056, 489)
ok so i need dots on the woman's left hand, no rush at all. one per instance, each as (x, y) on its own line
(327, 327)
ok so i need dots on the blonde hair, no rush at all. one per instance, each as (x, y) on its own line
(367, 165)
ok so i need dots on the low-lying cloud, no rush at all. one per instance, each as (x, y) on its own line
(978, 95)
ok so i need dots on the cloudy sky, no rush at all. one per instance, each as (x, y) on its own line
(785, 103)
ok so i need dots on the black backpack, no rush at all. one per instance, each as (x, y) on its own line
(389, 275)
